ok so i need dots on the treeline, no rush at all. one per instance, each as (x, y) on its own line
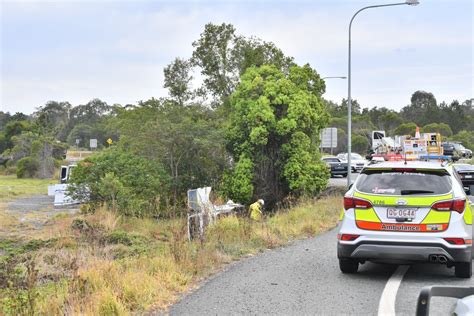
(250, 130)
(454, 121)
(32, 146)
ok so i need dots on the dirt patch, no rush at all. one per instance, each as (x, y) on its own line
(31, 213)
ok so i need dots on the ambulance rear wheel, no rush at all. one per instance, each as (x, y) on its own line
(348, 265)
(463, 269)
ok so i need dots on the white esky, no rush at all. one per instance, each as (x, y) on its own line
(116, 50)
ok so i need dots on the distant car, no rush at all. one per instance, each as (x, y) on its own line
(448, 149)
(337, 166)
(462, 151)
(466, 174)
(357, 161)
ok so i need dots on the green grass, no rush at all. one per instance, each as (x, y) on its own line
(11, 187)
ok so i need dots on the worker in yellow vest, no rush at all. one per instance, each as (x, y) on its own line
(256, 210)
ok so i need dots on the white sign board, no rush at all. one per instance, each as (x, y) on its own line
(415, 147)
(328, 138)
(93, 143)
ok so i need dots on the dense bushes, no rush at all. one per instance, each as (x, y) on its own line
(127, 183)
(27, 167)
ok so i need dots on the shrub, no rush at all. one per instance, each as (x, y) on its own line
(27, 167)
(131, 185)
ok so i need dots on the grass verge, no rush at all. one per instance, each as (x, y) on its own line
(11, 187)
(104, 264)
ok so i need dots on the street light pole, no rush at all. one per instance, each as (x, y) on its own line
(349, 100)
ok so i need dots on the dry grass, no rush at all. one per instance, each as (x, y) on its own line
(109, 265)
(6, 220)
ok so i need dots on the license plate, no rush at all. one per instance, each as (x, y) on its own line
(395, 213)
(468, 177)
(339, 168)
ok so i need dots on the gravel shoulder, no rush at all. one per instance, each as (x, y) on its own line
(30, 214)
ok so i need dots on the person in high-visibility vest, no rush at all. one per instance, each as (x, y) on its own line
(256, 210)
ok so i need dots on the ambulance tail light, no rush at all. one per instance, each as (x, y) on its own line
(459, 241)
(453, 205)
(459, 205)
(348, 237)
(350, 202)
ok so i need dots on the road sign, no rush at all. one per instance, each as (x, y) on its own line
(93, 143)
(328, 138)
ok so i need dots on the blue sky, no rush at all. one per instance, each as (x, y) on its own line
(116, 50)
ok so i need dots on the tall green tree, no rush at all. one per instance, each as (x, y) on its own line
(213, 54)
(52, 119)
(253, 52)
(178, 79)
(423, 108)
(223, 56)
(14, 128)
(274, 118)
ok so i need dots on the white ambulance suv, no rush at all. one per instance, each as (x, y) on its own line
(406, 212)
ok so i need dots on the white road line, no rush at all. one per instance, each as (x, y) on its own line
(389, 294)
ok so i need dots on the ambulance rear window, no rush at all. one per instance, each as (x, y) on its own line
(412, 182)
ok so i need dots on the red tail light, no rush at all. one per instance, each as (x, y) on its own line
(349, 237)
(453, 205)
(457, 241)
(350, 202)
(459, 205)
(442, 206)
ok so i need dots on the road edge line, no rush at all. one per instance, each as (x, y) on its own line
(389, 294)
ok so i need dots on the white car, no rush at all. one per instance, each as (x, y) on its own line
(357, 161)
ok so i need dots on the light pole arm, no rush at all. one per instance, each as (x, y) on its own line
(371, 7)
(349, 99)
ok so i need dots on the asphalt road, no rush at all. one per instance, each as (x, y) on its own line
(338, 181)
(304, 278)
